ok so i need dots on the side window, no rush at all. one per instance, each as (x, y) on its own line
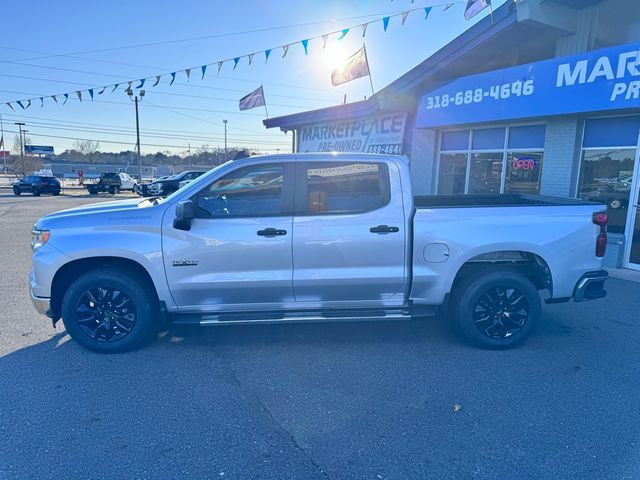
(246, 192)
(335, 188)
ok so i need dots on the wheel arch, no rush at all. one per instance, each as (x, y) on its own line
(70, 271)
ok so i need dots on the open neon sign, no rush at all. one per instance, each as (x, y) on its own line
(524, 164)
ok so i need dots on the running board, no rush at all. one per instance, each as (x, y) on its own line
(250, 318)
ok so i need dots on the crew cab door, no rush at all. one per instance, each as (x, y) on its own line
(237, 253)
(349, 234)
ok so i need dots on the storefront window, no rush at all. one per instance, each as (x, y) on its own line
(523, 172)
(484, 152)
(605, 176)
(452, 174)
(486, 173)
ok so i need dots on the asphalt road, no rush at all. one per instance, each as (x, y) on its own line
(371, 401)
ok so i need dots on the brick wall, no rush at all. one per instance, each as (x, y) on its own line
(423, 161)
(561, 157)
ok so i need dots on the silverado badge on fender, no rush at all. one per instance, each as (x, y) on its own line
(185, 263)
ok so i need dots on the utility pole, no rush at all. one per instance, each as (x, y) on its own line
(136, 100)
(20, 125)
(225, 140)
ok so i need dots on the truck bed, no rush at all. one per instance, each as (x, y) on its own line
(494, 200)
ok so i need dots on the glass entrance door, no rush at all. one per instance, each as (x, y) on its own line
(633, 247)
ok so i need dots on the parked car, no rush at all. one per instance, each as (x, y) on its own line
(112, 182)
(314, 237)
(37, 185)
(169, 185)
(142, 188)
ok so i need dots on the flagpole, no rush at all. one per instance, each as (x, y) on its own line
(366, 59)
(265, 101)
(2, 144)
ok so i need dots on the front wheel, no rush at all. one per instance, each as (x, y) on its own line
(496, 308)
(109, 311)
(36, 192)
(16, 191)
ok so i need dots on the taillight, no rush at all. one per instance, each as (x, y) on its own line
(601, 219)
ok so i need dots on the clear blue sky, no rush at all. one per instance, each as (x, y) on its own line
(51, 48)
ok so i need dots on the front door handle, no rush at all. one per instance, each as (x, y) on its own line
(384, 229)
(271, 232)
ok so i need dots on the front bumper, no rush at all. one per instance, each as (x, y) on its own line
(590, 286)
(42, 305)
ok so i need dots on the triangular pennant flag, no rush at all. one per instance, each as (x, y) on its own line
(54, 99)
(385, 23)
(157, 80)
(204, 69)
(41, 102)
(129, 86)
(20, 103)
(235, 62)
(28, 104)
(188, 72)
(141, 83)
(343, 33)
(285, 50)
(364, 29)
(412, 2)
(91, 93)
(305, 45)
(251, 58)
(66, 98)
(266, 55)
(447, 7)
(115, 87)
(220, 67)
(102, 91)
(427, 10)
(173, 78)
(10, 106)
(79, 94)
(404, 17)
(324, 40)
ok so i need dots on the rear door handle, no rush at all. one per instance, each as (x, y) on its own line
(271, 232)
(384, 229)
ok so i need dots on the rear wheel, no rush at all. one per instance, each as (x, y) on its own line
(496, 308)
(16, 191)
(109, 311)
(115, 189)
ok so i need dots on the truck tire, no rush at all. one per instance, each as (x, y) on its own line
(495, 308)
(110, 311)
(115, 189)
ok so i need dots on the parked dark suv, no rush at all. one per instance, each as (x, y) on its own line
(37, 184)
(168, 186)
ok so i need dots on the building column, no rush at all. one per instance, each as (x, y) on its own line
(560, 167)
(423, 161)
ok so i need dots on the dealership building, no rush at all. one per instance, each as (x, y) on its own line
(542, 97)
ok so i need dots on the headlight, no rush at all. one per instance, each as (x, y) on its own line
(39, 238)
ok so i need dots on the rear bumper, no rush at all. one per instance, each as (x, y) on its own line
(590, 286)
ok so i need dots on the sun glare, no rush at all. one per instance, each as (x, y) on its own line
(334, 55)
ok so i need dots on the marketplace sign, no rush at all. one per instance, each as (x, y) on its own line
(607, 79)
(379, 134)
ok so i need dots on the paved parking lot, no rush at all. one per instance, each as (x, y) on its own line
(316, 401)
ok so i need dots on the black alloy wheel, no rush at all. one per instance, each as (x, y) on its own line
(16, 190)
(106, 314)
(501, 312)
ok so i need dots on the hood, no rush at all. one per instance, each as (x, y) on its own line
(134, 204)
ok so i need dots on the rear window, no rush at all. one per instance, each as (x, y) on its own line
(342, 188)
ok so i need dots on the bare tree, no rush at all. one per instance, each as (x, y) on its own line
(16, 144)
(86, 147)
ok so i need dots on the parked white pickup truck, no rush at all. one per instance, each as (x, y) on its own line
(313, 237)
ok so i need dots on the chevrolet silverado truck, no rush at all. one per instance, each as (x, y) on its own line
(308, 238)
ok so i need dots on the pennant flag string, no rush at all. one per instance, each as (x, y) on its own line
(236, 60)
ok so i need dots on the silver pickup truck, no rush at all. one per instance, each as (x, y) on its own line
(313, 237)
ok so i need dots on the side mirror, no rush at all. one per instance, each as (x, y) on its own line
(185, 213)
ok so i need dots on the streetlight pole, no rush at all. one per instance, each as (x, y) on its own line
(225, 140)
(136, 100)
(20, 125)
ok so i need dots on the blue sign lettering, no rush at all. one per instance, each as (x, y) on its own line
(604, 79)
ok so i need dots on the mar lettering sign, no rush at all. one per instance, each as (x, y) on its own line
(379, 134)
(607, 79)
